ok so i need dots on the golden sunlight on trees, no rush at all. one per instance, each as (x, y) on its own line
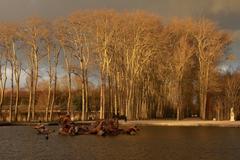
(32, 32)
(104, 62)
(210, 44)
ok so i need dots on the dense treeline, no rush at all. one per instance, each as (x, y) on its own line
(145, 68)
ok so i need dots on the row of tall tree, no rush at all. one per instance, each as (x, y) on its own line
(145, 68)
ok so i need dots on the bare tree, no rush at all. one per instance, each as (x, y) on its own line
(80, 37)
(32, 33)
(9, 37)
(53, 52)
(3, 66)
(62, 35)
(180, 50)
(210, 45)
(232, 91)
(3, 79)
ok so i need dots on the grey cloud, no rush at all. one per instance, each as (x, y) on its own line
(225, 6)
(224, 12)
(17, 9)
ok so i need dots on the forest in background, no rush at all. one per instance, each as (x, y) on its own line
(108, 62)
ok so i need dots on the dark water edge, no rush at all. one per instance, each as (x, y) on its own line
(153, 143)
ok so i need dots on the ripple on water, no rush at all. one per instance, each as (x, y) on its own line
(18, 142)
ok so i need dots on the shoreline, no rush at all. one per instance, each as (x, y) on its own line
(35, 123)
(160, 123)
(185, 123)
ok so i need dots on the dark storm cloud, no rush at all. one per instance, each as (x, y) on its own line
(17, 9)
(224, 12)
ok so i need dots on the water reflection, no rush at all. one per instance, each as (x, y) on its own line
(151, 143)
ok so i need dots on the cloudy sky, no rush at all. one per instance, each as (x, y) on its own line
(226, 13)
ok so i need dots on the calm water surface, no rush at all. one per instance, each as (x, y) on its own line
(153, 143)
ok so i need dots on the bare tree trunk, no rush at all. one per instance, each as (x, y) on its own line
(35, 81)
(115, 102)
(116, 96)
(178, 113)
(49, 83)
(3, 84)
(11, 96)
(179, 98)
(34, 96)
(69, 105)
(110, 106)
(69, 94)
(102, 97)
(218, 111)
(17, 96)
(86, 92)
(30, 96)
(83, 91)
(203, 87)
(116, 93)
(17, 73)
(49, 101)
(101, 102)
(128, 111)
(53, 95)
(56, 58)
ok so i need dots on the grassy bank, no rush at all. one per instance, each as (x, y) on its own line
(185, 123)
(182, 123)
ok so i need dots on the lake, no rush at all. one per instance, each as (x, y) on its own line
(153, 143)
